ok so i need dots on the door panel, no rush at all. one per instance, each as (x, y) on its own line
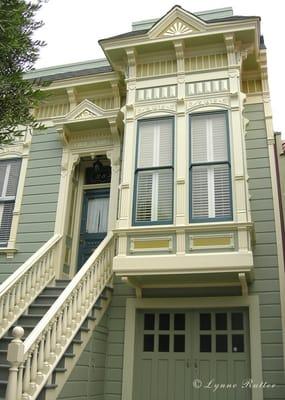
(94, 222)
(175, 348)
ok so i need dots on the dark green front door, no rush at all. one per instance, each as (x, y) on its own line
(94, 222)
(191, 355)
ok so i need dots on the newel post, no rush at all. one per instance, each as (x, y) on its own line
(15, 357)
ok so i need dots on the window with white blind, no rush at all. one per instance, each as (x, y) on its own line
(210, 171)
(9, 176)
(153, 202)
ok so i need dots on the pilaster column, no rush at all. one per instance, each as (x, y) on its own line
(125, 209)
(114, 157)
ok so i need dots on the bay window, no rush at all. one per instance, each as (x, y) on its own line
(154, 172)
(9, 176)
(210, 173)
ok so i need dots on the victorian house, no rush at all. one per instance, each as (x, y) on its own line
(141, 248)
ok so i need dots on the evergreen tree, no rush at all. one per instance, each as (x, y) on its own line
(18, 54)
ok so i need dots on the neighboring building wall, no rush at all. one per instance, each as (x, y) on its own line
(38, 209)
(266, 283)
(86, 381)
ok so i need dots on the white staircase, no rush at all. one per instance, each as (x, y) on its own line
(41, 363)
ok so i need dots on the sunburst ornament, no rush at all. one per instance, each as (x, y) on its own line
(178, 28)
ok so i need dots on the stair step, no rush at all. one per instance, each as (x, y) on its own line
(52, 290)
(50, 386)
(3, 356)
(60, 369)
(4, 370)
(46, 299)
(3, 385)
(38, 309)
(30, 319)
(62, 282)
(68, 355)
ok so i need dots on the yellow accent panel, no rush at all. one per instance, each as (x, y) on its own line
(212, 241)
(151, 244)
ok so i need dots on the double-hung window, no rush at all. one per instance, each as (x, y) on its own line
(9, 176)
(210, 173)
(153, 202)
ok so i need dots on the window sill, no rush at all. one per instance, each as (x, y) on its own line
(10, 251)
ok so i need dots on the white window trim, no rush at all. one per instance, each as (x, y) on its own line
(251, 302)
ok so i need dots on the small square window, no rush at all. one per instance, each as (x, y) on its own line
(205, 322)
(179, 343)
(221, 321)
(148, 322)
(237, 343)
(179, 322)
(164, 322)
(237, 321)
(148, 343)
(221, 343)
(205, 343)
(163, 343)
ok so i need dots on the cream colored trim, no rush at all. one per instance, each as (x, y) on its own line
(193, 263)
(252, 302)
(243, 282)
(21, 150)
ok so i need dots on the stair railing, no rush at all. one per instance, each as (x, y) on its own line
(20, 289)
(33, 360)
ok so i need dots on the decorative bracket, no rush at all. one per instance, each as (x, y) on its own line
(132, 282)
(243, 282)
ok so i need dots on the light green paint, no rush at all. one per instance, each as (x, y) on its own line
(39, 203)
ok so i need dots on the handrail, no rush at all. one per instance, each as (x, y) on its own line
(20, 289)
(33, 360)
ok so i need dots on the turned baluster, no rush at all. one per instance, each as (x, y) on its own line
(78, 311)
(18, 296)
(24, 290)
(34, 278)
(34, 368)
(64, 325)
(12, 304)
(29, 283)
(6, 308)
(47, 351)
(40, 366)
(53, 342)
(74, 310)
(69, 316)
(51, 262)
(59, 332)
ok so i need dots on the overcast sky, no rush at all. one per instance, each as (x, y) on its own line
(73, 27)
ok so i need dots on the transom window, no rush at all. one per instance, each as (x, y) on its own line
(210, 176)
(9, 176)
(154, 172)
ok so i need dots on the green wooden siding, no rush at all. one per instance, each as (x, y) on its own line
(266, 283)
(39, 203)
(86, 381)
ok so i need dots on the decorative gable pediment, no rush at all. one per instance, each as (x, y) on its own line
(85, 110)
(177, 22)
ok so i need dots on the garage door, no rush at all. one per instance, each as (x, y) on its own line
(185, 355)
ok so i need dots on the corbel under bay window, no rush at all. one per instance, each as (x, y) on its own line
(153, 198)
(9, 176)
(210, 169)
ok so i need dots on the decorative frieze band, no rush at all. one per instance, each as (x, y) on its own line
(204, 87)
(154, 93)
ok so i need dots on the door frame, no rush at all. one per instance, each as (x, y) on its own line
(250, 302)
